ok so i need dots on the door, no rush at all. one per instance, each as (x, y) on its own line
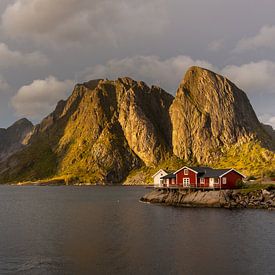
(186, 182)
(211, 182)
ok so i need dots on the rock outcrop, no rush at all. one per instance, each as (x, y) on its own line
(222, 198)
(106, 129)
(209, 114)
(14, 137)
(103, 131)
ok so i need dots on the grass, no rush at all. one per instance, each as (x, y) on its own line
(250, 187)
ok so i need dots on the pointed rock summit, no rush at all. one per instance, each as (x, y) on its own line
(209, 113)
(108, 128)
(14, 137)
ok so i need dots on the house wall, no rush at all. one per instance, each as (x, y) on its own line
(172, 182)
(206, 183)
(231, 180)
(191, 175)
(157, 177)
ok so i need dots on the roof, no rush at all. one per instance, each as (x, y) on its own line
(197, 170)
(214, 173)
(207, 172)
(160, 170)
(169, 176)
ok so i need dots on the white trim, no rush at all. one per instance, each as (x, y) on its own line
(202, 181)
(186, 182)
(211, 182)
(158, 172)
(183, 168)
(223, 180)
(231, 171)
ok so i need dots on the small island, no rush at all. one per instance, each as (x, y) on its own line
(207, 187)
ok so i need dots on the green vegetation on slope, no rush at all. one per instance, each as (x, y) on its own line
(249, 158)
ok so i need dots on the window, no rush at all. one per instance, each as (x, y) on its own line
(186, 182)
(201, 180)
(185, 172)
(223, 180)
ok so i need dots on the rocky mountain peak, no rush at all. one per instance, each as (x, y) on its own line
(15, 137)
(108, 128)
(210, 112)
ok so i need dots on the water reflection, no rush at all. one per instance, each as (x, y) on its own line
(94, 230)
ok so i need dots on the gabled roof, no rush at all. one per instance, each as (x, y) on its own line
(214, 173)
(197, 170)
(229, 170)
(208, 172)
(161, 170)
(169, 176)
(218, 173)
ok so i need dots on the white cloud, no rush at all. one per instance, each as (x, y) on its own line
(264, 39)
(254, 77)
(166, 73)
(9, 58)
(39, 98)
(268, 119)
(76, 21)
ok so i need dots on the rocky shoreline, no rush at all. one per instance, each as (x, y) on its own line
(240, 198)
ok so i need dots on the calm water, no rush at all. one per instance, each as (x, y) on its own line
(105, 230)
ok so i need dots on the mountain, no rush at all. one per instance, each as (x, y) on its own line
(209, 114)
(103, 131)
(14, 137)
(110, 130)
(270, 131)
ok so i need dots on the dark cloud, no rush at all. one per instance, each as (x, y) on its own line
(153, 40)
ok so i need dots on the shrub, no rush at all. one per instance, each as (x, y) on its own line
(251, 178)
(240, 184)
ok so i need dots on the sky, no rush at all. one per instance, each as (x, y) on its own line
(47, 46)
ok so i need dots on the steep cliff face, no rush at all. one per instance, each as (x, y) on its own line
(106, 129)
(14, 137)
(210, 114)
(103, 131)
(269, 129)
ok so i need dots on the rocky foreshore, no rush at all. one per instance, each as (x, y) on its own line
(239, 198)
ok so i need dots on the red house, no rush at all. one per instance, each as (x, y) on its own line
(203, 177)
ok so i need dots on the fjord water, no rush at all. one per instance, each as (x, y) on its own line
(106, 230)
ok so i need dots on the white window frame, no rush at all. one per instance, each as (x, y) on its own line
(224, 181)
(185, 171)
(186, 182)
(202, 181)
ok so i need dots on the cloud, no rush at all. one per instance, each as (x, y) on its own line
(39, 98)
(11, 58)
(166, 73)
(268, 119)
(254, 77)
(216, 45)
(75, 21)
(5, 88)
(264, 39)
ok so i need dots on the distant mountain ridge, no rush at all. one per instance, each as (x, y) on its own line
(14, 137)
(107, 129)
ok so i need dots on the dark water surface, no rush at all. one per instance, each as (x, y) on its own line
(105, 230)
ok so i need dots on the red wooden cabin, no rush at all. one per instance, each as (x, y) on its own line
(203, 177)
